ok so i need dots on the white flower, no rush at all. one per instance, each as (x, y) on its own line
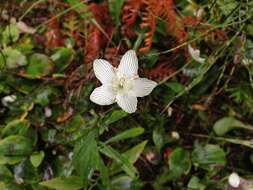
(234, 180)
(122, 84)
(195, 54)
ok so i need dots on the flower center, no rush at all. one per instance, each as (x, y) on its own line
(121, 85)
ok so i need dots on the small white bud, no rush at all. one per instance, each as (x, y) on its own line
(195, 54)
(175, 135)
(234, 180)
(48, 112)
(169, 111)
(8, 99)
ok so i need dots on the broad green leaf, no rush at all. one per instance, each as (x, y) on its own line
(16, 145)
(12, 58)
(10, 34)
(134, 153)
(75, 123)
(11, 160)
(104, 173)
(114, 116)
(62, 58)
(64, 183)
(12, 186)
(115, 10)
(175, 86)
(158, 137)
(194, 184)
(131, 155)
(39, 66)
(208, 156)
(16, 127)
(2, 186)
(227, 6)
(4, 172)
(119, 158)
(36, 158)
(86, 157)
(122, 182)
(43, 96)
(130, 133)
(179, 162)
(226, 124)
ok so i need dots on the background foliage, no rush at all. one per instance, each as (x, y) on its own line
(192, 132)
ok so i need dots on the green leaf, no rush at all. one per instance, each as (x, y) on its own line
(122, 182)
(80, 7)
(130, 133)
(64, 183)
(62, 58)
(194, 184)
(175, 86)
(11, 160)
(10, 34)
(12, 58)
(131, 155)
(114, 116)
(43, 96)
(4, 172)
(226, 124)
(104, 173)
(16, 127)
(208, 157)
(16, 145)
(36, 158)
(86, 157)
(227, 6)
(179, 162)
(115, 10)
(134, 153)
(120, 159)
(39, 66)
(158, 137)
(75, 123)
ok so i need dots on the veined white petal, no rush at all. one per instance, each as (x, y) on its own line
(103, 70)
(103, 95)
(129, 64)
(195, 54)
(142, 87)
(127, 103)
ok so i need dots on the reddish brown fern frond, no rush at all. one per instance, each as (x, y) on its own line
(175, 25)
(92, 45)
(160, 72)
(130, 12)
(53, 35)
(148, 21)
(98, 37)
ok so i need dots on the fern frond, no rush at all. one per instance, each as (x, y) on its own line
(130, 13)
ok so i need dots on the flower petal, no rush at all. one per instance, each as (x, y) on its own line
(127, 103)
(129, 64)
(103, 95)
(142, 87)
(103, 70)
